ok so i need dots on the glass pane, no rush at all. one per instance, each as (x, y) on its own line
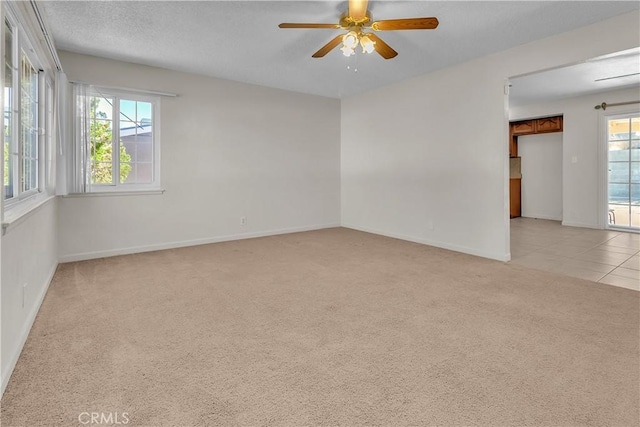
(128, 110)
(9, 64)
(619, 151)
(618, 193)
(144, 113)
(33, 175)
(101, 108)
(101, 151)
(619, 172)
(619, 129)
(102, 173)
(635, 194)
(29, 124)
(635, 149)
(127, 173)
(145, 173)
(144, 150)
(619, 215)
(127, 129)
(635, 172)
(635, 216)
(125, 164)
(25, 168)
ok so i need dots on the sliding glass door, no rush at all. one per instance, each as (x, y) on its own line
(623, 144)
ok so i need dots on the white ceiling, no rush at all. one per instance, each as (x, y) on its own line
(615, 71)
(240, 40)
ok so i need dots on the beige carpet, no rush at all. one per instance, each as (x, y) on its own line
(333, 327)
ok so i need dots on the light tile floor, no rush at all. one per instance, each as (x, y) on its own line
(605, 256)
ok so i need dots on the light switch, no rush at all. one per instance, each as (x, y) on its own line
(574, 159)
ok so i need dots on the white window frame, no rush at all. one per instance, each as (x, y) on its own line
(116, 186)
(22, 44)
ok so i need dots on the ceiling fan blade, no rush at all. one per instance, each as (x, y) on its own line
(382, 48)
(405, 24)
(328, 47)
(358, 9)
(295, 25)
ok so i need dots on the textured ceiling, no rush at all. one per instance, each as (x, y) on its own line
(240, 40)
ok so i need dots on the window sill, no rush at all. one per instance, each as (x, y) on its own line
(19, 212)
(117, 193)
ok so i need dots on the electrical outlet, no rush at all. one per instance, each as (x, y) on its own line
(243, 220)
(24, 294)
(430, 225)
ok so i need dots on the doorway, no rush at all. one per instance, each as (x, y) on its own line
(623, 178)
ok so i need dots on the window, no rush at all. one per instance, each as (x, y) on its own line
(28, 150)
(8, 109)
(22, 143)
(118, 141)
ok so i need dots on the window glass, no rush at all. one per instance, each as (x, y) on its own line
(8, 111)
(131, 137)
(29, 125)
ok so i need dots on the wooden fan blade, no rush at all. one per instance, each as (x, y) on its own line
(294, 25)
(406, 24)
(328, 47)
(382, 48)
(358, 9)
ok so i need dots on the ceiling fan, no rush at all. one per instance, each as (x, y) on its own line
(358, 20)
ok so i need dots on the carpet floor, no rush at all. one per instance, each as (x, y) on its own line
(331, 327)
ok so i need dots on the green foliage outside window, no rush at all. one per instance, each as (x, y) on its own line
(102, 149)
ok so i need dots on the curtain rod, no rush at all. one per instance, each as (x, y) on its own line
(604, 105)
(128, 89)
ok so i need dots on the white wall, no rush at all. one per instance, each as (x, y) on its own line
(426, 159)
(29, 243)
(29, 256)
(581, 152)
(228, 150)
(541, 175)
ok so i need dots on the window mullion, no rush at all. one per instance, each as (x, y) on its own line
(115, 147)
(20, 128)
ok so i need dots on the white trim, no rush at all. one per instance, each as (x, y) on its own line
(195, 242)
(26, 328)
(547, 217)
(118, 95)
(19, 213)
(603, 169)
(581, 225)
(457, 248)
(117, 193)
(603, 161)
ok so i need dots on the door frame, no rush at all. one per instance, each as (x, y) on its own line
(603, 162)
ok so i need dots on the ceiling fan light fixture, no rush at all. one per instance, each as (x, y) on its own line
(350, 40)
(367, 44)
(349, 43)
(348, 51)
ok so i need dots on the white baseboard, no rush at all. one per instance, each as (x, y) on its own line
(24, 333)
(547, 217)
(184, 243)
(581, 225)
(457, 248)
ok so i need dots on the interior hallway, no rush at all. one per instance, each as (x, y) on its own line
(606, 256)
